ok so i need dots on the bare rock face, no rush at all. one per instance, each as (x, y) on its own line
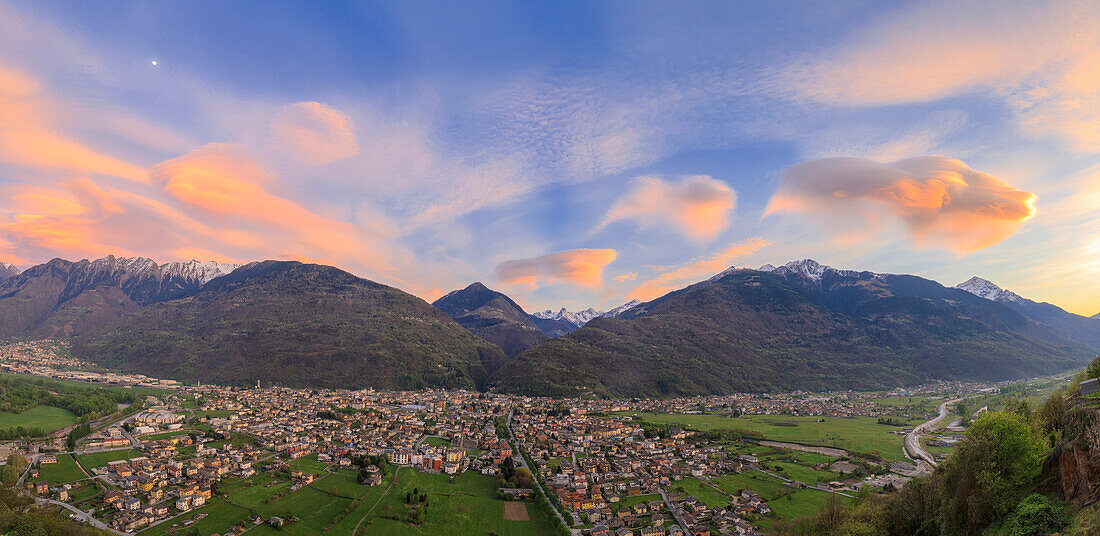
(1073, 468)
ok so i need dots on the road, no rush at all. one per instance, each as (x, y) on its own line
(672, 510)
(82, 515)
(915, 451)
(535, 479)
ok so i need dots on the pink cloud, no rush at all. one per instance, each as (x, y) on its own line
(1039, 57)
(583, 267)
(30, 138)
(698, 206)
(940, 202)
(315, 133)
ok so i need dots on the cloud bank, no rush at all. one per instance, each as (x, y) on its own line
(698, 206)
(940, 202)
(583, 267)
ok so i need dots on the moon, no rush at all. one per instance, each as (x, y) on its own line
(154, 63)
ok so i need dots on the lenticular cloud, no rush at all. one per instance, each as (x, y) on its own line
(940, 202)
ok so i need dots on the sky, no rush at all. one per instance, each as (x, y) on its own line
(569, 154)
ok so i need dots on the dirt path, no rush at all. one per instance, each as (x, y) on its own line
(371, 511)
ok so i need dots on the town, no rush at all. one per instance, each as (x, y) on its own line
(698, 465)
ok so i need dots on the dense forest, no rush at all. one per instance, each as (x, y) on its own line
(1005, 478)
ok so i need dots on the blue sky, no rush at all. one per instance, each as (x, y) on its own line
(567, 153)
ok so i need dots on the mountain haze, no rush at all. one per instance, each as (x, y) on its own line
(493, 317)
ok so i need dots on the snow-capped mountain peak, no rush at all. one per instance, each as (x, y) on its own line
(766, 268)
(202, 272)
(578, 318)
(988, 290)
(723, 273)
(806, 267)
(621, 309)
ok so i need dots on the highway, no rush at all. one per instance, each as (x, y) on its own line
(915, 451)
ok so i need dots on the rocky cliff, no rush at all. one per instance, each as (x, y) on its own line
(1073, 468)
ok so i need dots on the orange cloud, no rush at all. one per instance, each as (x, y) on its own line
(223, 181)
(315, 133)
(626, 277)
(29, 138)
(693, 271)
(1039, 56)
(582, 267)
(698, 205)
(940, 201)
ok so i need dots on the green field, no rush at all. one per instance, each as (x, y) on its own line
(65, 470)
(336, 503)
(801, 473)
(437, 441)
(802, 503)
(768, 487)
(100, 459)
(463, 507)
(256, 490)
(314, 509)
(860, 434)
(310, 464)
(701, 491)
(220, 515)
(628, 501)
(48, 418)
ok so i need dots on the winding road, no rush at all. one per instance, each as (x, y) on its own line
(915, 451)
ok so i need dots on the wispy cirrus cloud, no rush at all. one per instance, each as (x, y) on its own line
(30, 138)
(315, 133)
(940, 202)
(697, 269)
(1038, 58)
(698, 206)
(582, 267)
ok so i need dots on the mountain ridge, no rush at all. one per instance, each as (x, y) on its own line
(801, 325)
(493, 316)
(62, 298)
(298, 325)
(1077, 327)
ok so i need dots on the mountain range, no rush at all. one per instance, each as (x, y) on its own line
(798, 326)
(564, 322)
(294, 324)
(1080, 328)
(64, 298)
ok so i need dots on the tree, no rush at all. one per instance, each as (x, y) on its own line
(989, 472)
(1035, 516)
